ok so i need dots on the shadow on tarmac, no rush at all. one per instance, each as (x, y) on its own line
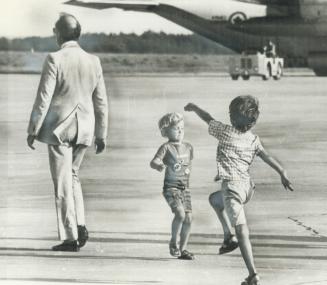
(303, 242)
(195, 235)
(107, 257)
(58, 280)
(78, 255)
(220, 236)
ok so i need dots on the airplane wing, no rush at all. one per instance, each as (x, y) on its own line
(271, 2)
(134, 5)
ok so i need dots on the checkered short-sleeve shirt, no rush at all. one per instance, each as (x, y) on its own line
(235, 151)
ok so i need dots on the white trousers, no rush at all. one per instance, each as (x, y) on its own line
(65, 162)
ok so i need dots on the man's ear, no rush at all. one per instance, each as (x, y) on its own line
(59, 39)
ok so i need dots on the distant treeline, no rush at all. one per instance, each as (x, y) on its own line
(148, 42)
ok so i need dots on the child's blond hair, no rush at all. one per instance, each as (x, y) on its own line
(169, 120)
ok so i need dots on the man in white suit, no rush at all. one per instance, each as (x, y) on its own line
(69, 110)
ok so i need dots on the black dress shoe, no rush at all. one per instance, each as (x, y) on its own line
(67, 246)
(83, 235)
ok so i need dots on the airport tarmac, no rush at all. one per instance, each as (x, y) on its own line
(128, 219)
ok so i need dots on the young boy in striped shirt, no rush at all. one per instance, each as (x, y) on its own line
(175, 156)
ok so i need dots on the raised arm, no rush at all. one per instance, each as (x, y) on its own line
(276, 165)
(205, 116)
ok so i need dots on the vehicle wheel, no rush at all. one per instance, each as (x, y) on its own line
(279, 72)
(246, 77)
(267, 75)
(234, 76)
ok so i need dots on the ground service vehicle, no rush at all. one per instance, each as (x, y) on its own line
(258, 64)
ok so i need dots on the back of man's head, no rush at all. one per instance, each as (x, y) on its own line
(68, 28)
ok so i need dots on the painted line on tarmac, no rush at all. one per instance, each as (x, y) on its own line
(313, 231)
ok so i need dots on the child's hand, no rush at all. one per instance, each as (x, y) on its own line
(30, 141)
(157, 164)
(286, 183)
(161, 167)
(190, 107)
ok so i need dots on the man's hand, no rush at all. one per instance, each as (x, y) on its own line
(190, 107)
(30, 141)
(286, 183)
(100, 145)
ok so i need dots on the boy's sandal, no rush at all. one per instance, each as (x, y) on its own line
(251, 280)
(186, 255)
(228, 245)
(174, 250)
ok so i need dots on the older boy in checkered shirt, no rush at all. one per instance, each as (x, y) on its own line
(237, 147)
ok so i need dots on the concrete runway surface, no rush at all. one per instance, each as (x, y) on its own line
(129, 220)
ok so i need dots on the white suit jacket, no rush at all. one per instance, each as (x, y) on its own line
(71, 88)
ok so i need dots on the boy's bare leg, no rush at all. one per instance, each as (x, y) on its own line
(217, 203)
(222, 216)
(177, 224)
(242, 233)
(186, 230)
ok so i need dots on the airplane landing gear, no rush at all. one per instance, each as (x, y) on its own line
(320, 72)
(318, 62)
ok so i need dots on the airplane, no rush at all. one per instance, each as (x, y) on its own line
(298, 28)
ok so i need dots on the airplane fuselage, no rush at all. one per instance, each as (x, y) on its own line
(299, 29)
(223, 10)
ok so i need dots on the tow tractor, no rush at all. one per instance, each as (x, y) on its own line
(247, 64)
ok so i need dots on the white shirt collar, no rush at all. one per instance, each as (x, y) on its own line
(69, 44)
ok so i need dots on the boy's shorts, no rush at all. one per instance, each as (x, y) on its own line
(178, 198)
(236, 194)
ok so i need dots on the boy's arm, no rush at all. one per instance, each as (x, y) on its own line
(276, 165)
(205, 116)
(157, 164)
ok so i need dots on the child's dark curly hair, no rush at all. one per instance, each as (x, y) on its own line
(244, 112)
